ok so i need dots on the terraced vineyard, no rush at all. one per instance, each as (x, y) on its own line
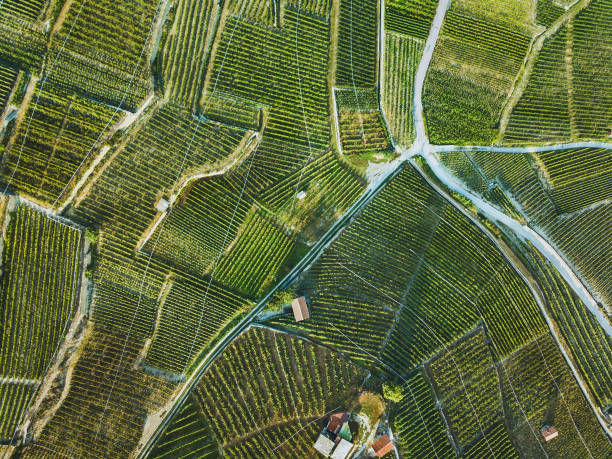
(275, 384)
(175, 174)
(39, 291)
(54, 147)
(383, 301)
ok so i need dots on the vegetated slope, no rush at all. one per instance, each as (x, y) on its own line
(568, 93)
(53, 145)
(477, 57)
(410, 275)
(110, 67)
(267, 386)
(538, 377)
(417, 422)
(38, 292)
(285, 69)
(187, 435)
(402, 55)
(468, 390)
(410, 17)
(22, 44)
(357, 43)
(582, 236)
(89, 423)
(185, 51)
(8, 78)
(584, 338)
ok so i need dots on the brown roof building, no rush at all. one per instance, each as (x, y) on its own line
(300, 309)
(383, 446)
(336, 421)
(549, 432)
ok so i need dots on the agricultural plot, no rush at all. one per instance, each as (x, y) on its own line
(331, 186)
(190, 315)
(402, 56)
(113, 66)
(39, 291)
(225, 109)
(188, 435)
(29, 9)
(259, 252)
(46, 160)
(185, 51)
(542, 113)
(547, 12)
(93, 422)
(587, 340)
(578, 235)
(22, 44)
(201, 226)
(549, 395)
(122, 199)
(284, 69)
(568, 93)
(357, 43)
(399, 282)
(410, 17)
(8, 78)
(475, 62)
(578, 177)
(363, 134)
(467, 385)
(417, 422)
(266, 384)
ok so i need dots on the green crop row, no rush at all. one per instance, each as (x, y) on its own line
(410, 17)
(251, 265)
(46, 160)
(588, 342)
(22, 44)
(192, 314)
(548, 395)
(14, 400)
(417, 422)
(497, 442)
(184, 53)
(28, 9)
(92, 421)
(8, 77)
(265, 379)
(402, 55)
(363, 133)
(357, 45)
(542, 113)
(187, 435)
(38, 291)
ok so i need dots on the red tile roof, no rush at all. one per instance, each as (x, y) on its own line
(336, 421)
(382, 446)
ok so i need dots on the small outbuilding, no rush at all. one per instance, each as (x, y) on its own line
(324, 445)
(549, 432)
(336, 422)
(342, 450)
(301, 195)
(162, 204)
(300, 309)
(383, 446)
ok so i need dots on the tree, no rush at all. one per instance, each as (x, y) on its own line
(280, 299)
(393, 392)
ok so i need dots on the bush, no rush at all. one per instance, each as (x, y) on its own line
(392, 392)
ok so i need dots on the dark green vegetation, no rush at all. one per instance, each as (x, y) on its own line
(477, 57)
(563, 206)
(404, 263)
(568, 93)
(410, 17)
(266, 392)
(357, 41)
(39, 293)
